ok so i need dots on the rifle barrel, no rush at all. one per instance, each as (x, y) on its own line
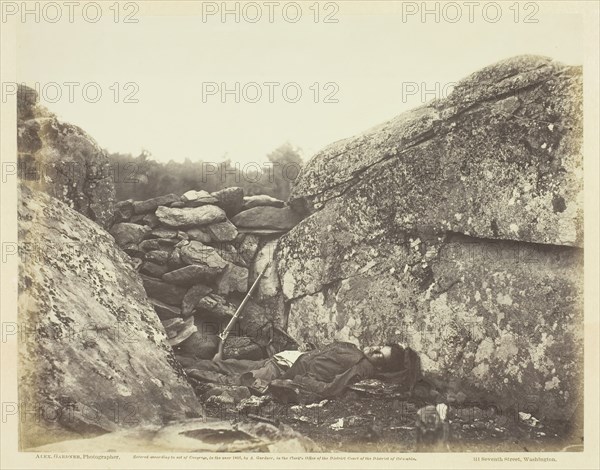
(229, 326)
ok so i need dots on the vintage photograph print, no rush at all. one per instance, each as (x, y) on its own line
(306, 233)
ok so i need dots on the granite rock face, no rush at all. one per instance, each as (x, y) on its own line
(499, 158)
(97, 358)
(63, 160)
(455, 228)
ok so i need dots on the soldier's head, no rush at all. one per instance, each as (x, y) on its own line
(387, 358)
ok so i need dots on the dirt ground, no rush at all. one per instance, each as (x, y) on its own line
(357, 422)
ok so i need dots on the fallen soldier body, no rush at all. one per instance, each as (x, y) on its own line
(313, 375)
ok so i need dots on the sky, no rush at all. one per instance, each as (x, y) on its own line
(167, 72)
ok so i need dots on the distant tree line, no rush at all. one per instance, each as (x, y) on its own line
(142, 177)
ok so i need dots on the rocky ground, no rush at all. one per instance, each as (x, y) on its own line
(367, 425)
(361, 423)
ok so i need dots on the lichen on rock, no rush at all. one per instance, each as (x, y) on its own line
(63, 160)
(454, 228)
(95, 357)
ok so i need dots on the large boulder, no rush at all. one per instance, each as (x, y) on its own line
(454, 228)
(499, 158)
(97, 358)
(63, 160)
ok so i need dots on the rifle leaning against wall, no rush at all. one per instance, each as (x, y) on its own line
(223, 336)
